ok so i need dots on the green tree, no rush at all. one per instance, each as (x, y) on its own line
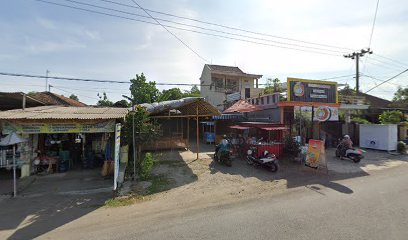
(171, 94)
(347, 91)
(74, 97)
(142, 91)
(104, 101)
(121, 104)
(194, 92)
(391, 117)
(273, 86)
(145, 131)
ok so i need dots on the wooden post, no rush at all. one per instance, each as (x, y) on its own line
(198, 134)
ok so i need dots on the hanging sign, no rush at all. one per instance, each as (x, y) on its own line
(301, 90)
(57, 127)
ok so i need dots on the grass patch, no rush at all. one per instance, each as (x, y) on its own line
(124, 201)
(160, 183)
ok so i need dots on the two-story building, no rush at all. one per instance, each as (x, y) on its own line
(222, 84)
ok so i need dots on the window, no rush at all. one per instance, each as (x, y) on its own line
(218, 83)
(267, 99)
(257, 101)
(233, 85)
(262, 101)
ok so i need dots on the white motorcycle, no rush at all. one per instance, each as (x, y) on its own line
(353, 154)
(267, 159)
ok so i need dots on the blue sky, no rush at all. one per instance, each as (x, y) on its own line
(36, 36)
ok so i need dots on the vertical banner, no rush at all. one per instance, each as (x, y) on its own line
(313, 153)
(117, 152)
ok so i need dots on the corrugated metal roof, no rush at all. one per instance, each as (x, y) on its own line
(186, 106)
(54, 99)
(65, 112)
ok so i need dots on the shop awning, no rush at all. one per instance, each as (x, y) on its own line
(275, 128)
(239, 127)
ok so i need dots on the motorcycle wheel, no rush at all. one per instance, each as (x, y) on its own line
(249, 160)
(228, 162)
(337, 153)
(356, 159)
(273, 167)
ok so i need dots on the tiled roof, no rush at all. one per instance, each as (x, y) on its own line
(65, 112)
(241, 107)
(14, 100)
(55, 99)
(232, 71)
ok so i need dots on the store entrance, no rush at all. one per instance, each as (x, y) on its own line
(63, 152)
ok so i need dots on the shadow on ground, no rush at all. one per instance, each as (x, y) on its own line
(52, 201)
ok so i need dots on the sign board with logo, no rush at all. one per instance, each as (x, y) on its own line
(301, 90)
(320, 114)
(58, 127)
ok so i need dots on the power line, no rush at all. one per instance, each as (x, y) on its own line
(406, 70)
(188, 30)
(350, 75)
(171, 33)
(372, 29)
(392, 60)
(228, 27)
(207, 29)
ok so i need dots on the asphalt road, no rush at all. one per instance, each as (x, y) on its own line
(371, 207)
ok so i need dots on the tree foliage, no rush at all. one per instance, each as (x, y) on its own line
(171, 94)
(273, 86)
(104, 101)
(74, 97)
(142, 91)
(347, 91)
(400, 98)
(391, 117)
(194, 92)
(121, 104)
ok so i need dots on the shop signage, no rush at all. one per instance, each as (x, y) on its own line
(117, 152)
(32, 128)
(300, 90)
(313, 153)
(325, 113)
(321, 113)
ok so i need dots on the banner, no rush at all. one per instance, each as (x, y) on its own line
(32, 128)
(313, 153)
(117, 151)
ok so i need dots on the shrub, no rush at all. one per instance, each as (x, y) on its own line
(401, 147)
(360, 120)
(146, 166)
(391, 117)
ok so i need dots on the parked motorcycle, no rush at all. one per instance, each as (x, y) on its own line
(223, 153)
(353, 154)
(267, 159)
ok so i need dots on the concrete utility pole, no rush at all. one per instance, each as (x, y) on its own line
(357, 55)
(46, 79)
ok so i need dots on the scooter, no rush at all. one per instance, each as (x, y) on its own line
(353, 154)
(223, 156)
(267, 159)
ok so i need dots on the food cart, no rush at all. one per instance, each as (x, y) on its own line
(208, 132)
(264, 136)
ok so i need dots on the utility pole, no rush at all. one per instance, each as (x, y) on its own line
(357, 55)
(46, 79)
(49, 87)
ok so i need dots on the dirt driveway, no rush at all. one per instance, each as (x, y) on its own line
(178, 176)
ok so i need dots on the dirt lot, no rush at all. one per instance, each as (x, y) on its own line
(179, 177)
